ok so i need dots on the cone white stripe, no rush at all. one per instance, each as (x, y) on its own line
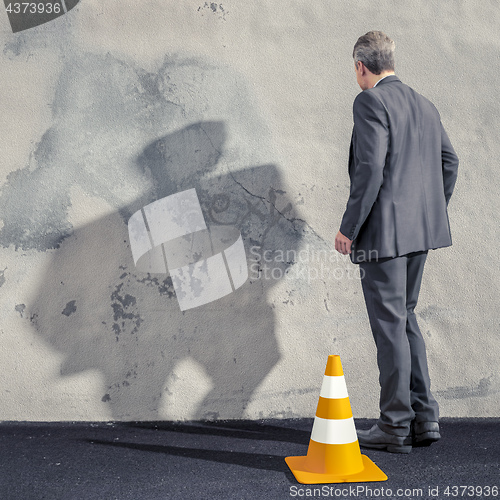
(334, 387)
(332, 431)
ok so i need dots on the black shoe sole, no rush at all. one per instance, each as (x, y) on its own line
(426, 439)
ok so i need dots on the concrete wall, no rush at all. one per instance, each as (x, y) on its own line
(119, 103)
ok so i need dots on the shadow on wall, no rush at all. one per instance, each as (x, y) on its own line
(122, 138)
(103, 314)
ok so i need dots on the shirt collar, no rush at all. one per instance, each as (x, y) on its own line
(392, 74)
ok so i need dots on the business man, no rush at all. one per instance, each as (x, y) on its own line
(403, 169)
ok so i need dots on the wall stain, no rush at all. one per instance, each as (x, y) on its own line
(70, 308)
(483, 389)
(20, 309)
(433, 312)
(93, 92)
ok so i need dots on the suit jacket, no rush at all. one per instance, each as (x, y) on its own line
(403, 169)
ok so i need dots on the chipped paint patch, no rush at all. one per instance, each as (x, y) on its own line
(70, 308)
(215, 8)
(124, 318)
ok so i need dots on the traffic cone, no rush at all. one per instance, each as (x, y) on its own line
(333, 455)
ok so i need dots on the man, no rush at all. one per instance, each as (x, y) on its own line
(403, 169)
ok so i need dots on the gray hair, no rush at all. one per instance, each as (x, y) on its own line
(376, 51)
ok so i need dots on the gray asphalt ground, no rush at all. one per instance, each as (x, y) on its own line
(229, 460)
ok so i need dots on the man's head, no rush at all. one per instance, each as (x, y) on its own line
(373, 58)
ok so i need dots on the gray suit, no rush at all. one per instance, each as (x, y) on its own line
(403, 170)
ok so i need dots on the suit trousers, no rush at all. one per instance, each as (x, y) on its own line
(391, 287)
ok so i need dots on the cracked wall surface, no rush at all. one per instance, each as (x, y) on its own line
(117, 104)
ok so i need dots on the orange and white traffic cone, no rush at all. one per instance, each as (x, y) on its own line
(333, 455)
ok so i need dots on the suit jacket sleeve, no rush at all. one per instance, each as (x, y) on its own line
(370, 146)
(450, 165)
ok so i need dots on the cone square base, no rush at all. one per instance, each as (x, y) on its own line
(370, 473)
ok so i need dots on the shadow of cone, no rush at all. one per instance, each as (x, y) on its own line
(333, 455)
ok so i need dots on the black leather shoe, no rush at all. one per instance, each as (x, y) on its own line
(377, 439)
(424, 433)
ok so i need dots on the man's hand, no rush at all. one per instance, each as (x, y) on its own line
(342, 244)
